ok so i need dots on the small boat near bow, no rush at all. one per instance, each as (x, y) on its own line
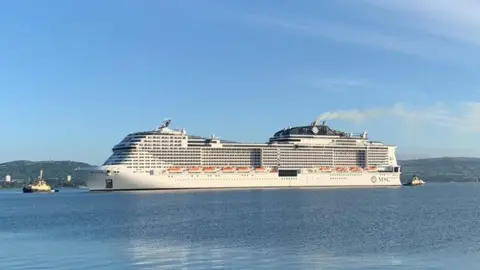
(39, 185)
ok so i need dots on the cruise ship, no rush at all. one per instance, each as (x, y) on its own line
(312, 155)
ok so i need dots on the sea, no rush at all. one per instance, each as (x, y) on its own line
(435, 226)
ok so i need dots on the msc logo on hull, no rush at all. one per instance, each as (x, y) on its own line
(375, 179)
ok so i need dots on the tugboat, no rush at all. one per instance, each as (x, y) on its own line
(39, 185)
(415, 181)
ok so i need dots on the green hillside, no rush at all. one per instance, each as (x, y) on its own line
(54, 172)
(445, 169)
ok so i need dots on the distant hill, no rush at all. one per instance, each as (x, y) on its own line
(55, 172)
(446, 169)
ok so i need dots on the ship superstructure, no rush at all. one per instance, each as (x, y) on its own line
(311, 155)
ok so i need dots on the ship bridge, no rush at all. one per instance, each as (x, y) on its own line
(315, 131)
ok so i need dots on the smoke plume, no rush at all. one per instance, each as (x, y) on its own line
(353, 115)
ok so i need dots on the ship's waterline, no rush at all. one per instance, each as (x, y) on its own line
(139, 181)
(302, 156)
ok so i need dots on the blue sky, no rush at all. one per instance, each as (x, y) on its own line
(77, 76)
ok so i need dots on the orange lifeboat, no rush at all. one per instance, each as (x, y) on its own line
(260, 169)
(209, 169)
(243, 169)
(174, 170)
(372, 169)
(228, 169)
(341, 169)
(195, 170)
(355, 169)
(325, 169)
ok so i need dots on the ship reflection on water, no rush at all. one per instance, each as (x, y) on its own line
(158, 254)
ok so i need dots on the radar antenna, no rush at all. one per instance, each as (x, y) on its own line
(364, 134)
(166, 123)
(317, 121)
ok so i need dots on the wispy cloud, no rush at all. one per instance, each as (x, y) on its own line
(351, 34)
(345, 84)
(335, 84)
(457, 20)
(433, 29)
(461, 117)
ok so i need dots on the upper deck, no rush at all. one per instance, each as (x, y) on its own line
(311, 135)
(293, 146)
(316, 130)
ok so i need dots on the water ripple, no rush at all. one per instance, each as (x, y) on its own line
(431, 227)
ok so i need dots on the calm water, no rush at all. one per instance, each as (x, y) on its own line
(432, 227)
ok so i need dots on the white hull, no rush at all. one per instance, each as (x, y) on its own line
(128, 180)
